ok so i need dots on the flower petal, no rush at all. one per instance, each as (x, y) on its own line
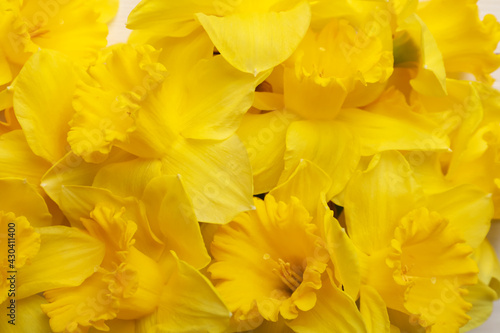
(308, 183)
(17, 159)
(168, 18)
(217, 176)
(489, 266)
(73, 170)
(343, 253)
(66, 258)
(118, 326)
(190, 303)
(264, 138)
(171, 212)
(78, 201)
(374, 311)
(14, 196)
(218, 96)
(390, 124)
(333, 308)
(385, 187)
(481, 297)
(42, 102)
(468, 209)
(128, 178)
(107, 105)
(89, 304)
(328, 144)
(29, 316)
(255, 42)
(478, 39)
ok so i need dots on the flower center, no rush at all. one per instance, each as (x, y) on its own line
(290, 276)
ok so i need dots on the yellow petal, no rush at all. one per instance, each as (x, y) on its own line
(190, 303)
(174, 19)
(390, 124)
(374, 311)
(89, 304)
(6, 103)
(107, 105)
(15, 195)
(128, 178)
(328, 144)
(476, 52)
(468, 209)
(118, 326)
(489, 266)
(178, 55)
(79, 201)
(434, 262)
(216, 175)
(107, 9)
(42, 102)
(17, 159)
(431, 77)
(279, 259)
(343, 254)
(218, 96)
(481, 297)
(171, 212)
(29, 316)
(60, 263)
(273, 327)
(19, 244)
(71, 27)
(254, 42)
(385, 187)
(308, 183)
(264, 138)
(333, 309)
(313, 97)
(73, 170)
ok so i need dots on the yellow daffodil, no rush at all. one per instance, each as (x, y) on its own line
(341, 65)
(148, 275)
(253, 36)
(285, 261)
(75, 28)
(469, 115)
(474, 53)
(183, 124)
(416, 250)
(36, 256)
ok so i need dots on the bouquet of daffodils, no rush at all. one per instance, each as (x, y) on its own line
(248, 166)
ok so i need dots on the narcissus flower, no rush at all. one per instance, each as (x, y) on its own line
(181, 124)
(253, 36)
(76, 28)
(146, 276)
(283, 261)
(41, 257)
(416, 254)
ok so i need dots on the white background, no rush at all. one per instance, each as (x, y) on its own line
(118, 33)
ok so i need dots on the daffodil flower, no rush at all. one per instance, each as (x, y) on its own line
(416, 250)
(36, 256)
(76, 28)
(253, 36)
(469, 115)
(183, 124)
(478, 39)
(285, 261)
(149, 272)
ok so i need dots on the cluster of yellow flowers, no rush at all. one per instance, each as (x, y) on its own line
(248, 165)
